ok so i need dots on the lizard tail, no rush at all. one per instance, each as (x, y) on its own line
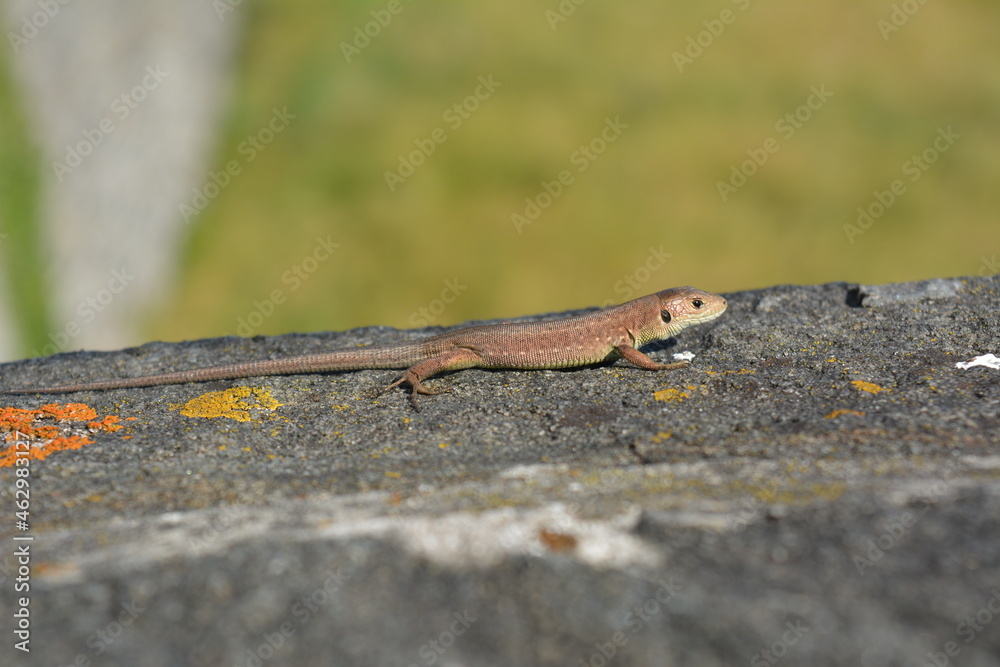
(392, 356)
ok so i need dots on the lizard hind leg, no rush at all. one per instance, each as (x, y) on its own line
(416, 386)
(414, 376)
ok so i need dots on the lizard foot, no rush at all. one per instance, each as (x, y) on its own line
(416, 387)
(637, 358)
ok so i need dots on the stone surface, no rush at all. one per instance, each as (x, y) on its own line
(821, 486)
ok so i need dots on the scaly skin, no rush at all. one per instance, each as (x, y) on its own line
(617, 331)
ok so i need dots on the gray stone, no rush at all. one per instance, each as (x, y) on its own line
(821, 486)
(878, 295)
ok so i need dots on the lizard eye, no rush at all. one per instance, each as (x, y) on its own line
(666, 316)
(697, 303)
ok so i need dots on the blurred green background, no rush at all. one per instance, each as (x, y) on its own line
(652, 191)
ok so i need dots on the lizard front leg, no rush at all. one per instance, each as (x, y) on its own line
(639, 359)
(453, 360)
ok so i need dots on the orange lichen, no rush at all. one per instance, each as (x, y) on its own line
(34, 436)
(13, 419)
(109, 424)
(46, 432)
(557, 541)
(76, 412)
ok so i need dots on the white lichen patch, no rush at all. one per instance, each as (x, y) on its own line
(486, 538)
(987, 360)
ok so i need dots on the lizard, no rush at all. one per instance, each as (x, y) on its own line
(599, 336)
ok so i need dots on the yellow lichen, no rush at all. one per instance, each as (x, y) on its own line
(837, 413)
(870, 387)
(237, 403)
(674, 394)
(671, 394)
(794, 492)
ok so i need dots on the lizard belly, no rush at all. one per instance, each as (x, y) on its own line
(532, 358)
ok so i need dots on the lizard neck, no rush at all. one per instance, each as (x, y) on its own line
(641, 318)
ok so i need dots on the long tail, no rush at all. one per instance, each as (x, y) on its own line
(400, 355)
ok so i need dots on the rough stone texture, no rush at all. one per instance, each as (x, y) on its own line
(822, 484)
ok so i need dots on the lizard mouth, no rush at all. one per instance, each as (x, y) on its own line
(714, 309)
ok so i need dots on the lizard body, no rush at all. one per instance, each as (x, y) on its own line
(607, 334)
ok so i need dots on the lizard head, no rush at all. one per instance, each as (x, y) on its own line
(680, 307)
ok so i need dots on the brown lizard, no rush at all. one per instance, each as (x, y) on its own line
(603, 335)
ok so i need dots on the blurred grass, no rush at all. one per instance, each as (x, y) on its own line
(655, 186)
(20, 231)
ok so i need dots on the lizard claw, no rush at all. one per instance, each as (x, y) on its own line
(416, 387)
(421, 389)
(401, 380)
